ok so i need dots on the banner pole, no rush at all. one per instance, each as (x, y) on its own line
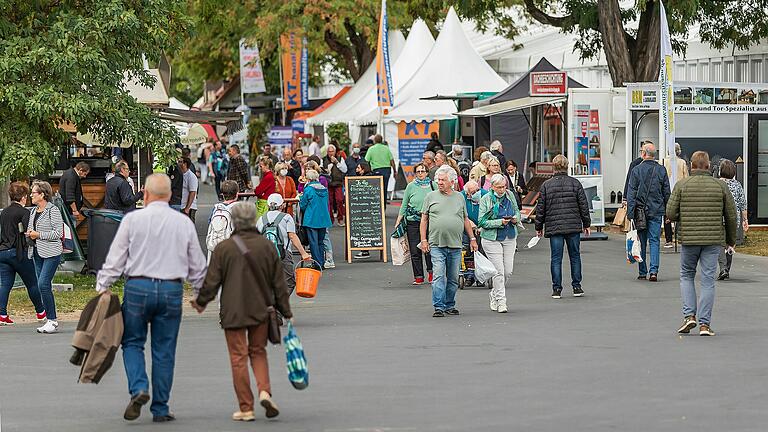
(280, 67)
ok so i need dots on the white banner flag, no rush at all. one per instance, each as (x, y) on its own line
(251, 75)
(667, 105)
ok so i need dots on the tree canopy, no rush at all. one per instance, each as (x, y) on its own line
(67, 62)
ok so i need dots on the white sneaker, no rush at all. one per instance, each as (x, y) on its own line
(49, 327)
(494, 303)
(502, 308)
(330, 265)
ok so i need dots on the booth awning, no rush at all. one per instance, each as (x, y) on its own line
(513, 105)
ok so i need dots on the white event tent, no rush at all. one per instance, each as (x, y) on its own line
(366, 83)
(417, 46)
(453, 66)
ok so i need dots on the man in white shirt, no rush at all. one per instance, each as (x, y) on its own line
(156, 248)
(188, 189)
(287, 228)
(314, 147)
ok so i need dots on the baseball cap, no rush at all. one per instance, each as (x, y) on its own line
(275, 200)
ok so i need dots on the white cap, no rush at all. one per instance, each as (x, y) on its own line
(275, 200)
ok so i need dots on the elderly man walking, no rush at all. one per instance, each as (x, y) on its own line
(446, 215)
(647, 198)
(156, 248)
(706, 213)
(248, 269)
(562, 214)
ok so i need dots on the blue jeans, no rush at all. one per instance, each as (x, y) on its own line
(156, 303)
(445, 272)
(652, 236)
(327, 246)
(45, 269)
(9, 268)
(690, 257)
(316, 238)
(386, 173)
(572, 241)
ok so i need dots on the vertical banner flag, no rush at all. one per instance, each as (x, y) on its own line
(383, 74)
(251, 74)
(666, 107)
(295, 72)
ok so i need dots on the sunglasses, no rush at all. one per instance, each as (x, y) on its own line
(420, 171)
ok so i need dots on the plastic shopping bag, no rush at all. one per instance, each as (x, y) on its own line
(399, 248)
(484, 268)
(295, 362)
(633, 247)
(533, 242)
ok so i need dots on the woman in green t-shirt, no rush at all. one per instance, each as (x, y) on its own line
(411, 211)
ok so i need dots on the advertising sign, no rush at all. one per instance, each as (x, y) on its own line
(548, 83)
(384, 90)
(251, 74)
(667, 108)
(694, 97)
(593, 188)
(295, 72)
(413, 138)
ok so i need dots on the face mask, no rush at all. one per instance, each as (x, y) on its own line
(283, 172)
(356, 150)
(476, 197)
(498, 195)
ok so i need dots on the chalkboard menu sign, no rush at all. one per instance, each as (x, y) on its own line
(365, 215)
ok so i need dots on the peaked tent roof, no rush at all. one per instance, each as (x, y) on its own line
(521, 88)
(452, 67)
(418, 45)
(359, 90)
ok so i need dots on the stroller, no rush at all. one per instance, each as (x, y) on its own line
(467, 269)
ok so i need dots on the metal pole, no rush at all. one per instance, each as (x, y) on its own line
(280, 68)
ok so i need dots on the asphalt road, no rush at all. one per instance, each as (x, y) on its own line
(610, 361)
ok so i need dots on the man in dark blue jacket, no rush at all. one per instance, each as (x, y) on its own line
(120, 195)
(648, 192)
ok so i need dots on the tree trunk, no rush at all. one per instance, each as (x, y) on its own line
(646, 56)
(345, 52)
(615, 44)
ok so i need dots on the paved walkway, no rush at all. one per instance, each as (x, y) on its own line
(610, 361)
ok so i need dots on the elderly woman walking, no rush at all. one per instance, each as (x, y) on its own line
(44, 232)
(316, 218)
(245, 286)
(413, 201)
(728, 174)
(284, 185)
(13, 256)
(498, 218)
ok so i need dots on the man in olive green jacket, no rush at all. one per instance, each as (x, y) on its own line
(706, 213)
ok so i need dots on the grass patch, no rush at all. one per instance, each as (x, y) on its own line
(755, 243)
(84, 289)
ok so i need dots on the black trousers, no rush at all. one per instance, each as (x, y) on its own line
(414, 238)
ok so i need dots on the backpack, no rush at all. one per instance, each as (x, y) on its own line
(271, 231)
(220, 227)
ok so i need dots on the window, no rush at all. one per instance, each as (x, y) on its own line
(757, 71)
(728, 72)
(703, 72)
(743, 71)
(692, 72)
(716, 71)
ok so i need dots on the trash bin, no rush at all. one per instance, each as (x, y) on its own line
(102, 227)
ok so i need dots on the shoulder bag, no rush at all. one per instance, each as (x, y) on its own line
(273, 320)
(641, 218)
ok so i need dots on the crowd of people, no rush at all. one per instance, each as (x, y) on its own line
(453, 207)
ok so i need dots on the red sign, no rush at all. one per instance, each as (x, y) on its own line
(548, 83)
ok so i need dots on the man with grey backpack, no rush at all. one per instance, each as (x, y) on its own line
(647, 198)
(279, 228)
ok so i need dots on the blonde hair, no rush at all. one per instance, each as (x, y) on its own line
(700, 160)
(561, 163)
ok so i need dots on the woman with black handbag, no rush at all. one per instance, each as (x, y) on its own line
(252, 291)
(410, 211)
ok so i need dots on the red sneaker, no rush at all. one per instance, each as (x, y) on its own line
(418, 281)
(41, 316)
(430, 277)
(5, 320)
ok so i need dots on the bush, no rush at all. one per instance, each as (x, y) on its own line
(340, 133)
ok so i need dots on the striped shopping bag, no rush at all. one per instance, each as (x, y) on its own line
(295, 362)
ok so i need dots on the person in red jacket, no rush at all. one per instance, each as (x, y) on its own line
(266, 186)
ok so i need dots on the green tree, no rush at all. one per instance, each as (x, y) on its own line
(629, 36)
(66, 61)
(340, 133)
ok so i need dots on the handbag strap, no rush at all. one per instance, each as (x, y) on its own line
(250, 259)
(648, 186)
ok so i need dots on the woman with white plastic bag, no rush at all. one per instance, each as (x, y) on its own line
(410, 211)
(498, 222)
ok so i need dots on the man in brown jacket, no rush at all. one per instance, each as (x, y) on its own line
(246, 293)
